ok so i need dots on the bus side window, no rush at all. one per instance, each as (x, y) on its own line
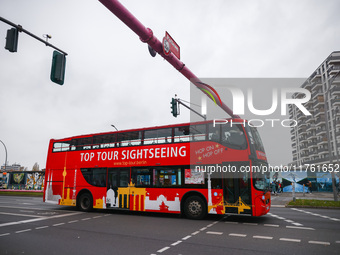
(182, 134)
(214, 133)
(167, 177)
(95, 176)
(141, 177)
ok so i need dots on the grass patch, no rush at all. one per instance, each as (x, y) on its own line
(315, 203)
(21, 193)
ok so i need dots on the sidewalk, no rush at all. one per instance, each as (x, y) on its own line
(284, 198)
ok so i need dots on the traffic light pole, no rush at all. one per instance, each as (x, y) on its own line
(180, 102)
(146, 35)
(21, 29)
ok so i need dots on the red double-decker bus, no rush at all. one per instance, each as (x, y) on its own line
(194, 168)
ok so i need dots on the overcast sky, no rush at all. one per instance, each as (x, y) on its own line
(112, 79)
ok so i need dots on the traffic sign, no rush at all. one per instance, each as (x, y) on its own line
(169, 45)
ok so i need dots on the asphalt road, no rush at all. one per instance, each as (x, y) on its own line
(29, 226)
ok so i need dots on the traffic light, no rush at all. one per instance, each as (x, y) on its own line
(58, 67)
(12, 40)
(174, 107)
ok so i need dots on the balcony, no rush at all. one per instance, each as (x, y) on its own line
(333, 60)
(336, 101)
(320, 121)
(302, 124)
(322, 151)
(318, 93)
(311, 127)
(316, 78)
(311, 136)
(320, 132)
(334, 70)
(319, 103)
(313, 153)
(322, 140)
(310, 119)
(335, 90)
(319, 111)
(317, 84)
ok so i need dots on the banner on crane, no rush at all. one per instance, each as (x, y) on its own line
(169, 45)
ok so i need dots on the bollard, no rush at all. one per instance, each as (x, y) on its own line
(293, 188)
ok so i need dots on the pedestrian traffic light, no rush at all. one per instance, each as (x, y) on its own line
(174, 107)
(58, 67)
(12, 40)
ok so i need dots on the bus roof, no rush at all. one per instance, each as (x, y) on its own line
(148, 128)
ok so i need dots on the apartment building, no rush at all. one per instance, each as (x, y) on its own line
(316, 138)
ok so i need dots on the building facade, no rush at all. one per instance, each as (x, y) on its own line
(316, 137)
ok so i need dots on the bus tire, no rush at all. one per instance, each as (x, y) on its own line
(85, 202)
(195, 208)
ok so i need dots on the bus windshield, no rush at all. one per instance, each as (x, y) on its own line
(261, 178)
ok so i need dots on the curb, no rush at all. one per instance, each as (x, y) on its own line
(312, 207)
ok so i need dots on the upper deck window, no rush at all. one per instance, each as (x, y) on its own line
(61, 146)
(231, 136)
(158, 136)
(129, 138)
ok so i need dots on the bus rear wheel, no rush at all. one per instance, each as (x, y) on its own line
(85, 202)
(195, 208)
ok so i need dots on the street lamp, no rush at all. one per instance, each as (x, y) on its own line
(6, 153)
(114, 127)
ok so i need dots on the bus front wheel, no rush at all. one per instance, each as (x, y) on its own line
(85, 202)
(195, 208)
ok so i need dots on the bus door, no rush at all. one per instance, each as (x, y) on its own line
(117, 188)
(236, 188)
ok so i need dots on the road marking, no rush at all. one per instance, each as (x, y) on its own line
(185, 238)
(6, 234)
(58, 224)
(86, 219)
(271, 225)
(37, 219)
(163, 249)
(214, 233)
(195, 233)
(238, 235)
(297, 224)
(231, 222)
(174, 244)
(295, 227)
(250, 224)
(318, 215)
(41, 227)
(21, 231)
(263, 237)
(96, 217)
(290, 240)
(318, 242)
(73, 221)
(23, 215)
(337, 241)
(202, 229)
